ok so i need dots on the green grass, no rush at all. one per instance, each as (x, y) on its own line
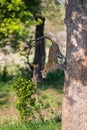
(4, 94)
(47, 125)
(49, 94)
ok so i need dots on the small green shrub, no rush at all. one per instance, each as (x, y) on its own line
(25, 90)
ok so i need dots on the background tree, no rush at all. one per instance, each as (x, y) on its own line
(39, 58)
(74, 114)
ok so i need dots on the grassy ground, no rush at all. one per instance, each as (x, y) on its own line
(48, 125)
(49, 96)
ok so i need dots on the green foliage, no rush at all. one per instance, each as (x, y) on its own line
(25, 90)
(34, 6)
(14, 14)
(15, 21)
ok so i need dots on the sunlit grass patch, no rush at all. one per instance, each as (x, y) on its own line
(47, 125)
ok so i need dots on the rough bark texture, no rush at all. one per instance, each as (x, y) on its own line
(74, 111)
(40, 48)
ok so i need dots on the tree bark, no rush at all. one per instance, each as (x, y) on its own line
(39, 48)
(74, 110)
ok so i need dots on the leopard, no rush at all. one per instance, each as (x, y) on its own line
(53, 63)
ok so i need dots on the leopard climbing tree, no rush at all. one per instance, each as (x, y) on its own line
(53, 63)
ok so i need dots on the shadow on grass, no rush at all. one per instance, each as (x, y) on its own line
(3, 102)
(4, 76)
(3, 99)
(3, 95)
(53, 80)
(4, 89)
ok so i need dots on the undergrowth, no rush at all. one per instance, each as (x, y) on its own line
(47, 105)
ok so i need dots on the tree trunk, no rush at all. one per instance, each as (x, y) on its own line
(39, 48)
(74, 110)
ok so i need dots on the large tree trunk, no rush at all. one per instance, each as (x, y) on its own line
(39, 58)
(74, 111)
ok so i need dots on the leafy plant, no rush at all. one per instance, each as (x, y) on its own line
(15, 21)
(25, 90)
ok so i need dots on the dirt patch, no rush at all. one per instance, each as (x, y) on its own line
(8, 113)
